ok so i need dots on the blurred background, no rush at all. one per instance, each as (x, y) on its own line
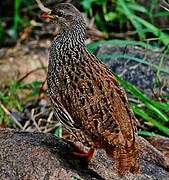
(130, 36)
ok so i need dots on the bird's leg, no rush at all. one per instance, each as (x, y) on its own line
(80, 153)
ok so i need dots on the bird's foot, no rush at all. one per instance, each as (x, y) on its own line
(81, 154)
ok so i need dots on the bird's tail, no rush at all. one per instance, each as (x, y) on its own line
(128, 160)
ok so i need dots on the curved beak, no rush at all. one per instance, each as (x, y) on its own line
(47, 15)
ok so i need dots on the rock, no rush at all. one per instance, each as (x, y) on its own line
(139, 66)
(25, 155)
(29, 61)
(160, 143)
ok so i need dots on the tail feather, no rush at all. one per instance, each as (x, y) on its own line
(128, 160)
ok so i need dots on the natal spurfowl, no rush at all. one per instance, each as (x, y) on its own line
(88, 100)
(85, 95)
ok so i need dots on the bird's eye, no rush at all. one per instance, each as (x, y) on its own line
(60, 13)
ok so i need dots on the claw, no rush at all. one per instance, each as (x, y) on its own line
(79, 153)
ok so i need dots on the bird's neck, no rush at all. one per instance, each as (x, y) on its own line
(70, 38)
(66, 48)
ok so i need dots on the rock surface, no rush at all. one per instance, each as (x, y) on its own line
(137, 65)
(26, 155)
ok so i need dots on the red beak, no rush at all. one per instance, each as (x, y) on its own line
(47, 15)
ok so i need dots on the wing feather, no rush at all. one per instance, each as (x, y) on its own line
(61, 113)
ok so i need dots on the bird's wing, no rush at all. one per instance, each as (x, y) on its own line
(61, 113)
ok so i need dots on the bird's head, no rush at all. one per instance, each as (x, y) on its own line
(65, 15)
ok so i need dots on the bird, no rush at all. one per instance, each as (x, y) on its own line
(85, 95)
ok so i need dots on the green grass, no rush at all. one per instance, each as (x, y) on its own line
(12, 97)
(17, 22)
(121, 12)
(150, 110)
(146, 133)
(129, 57)
(93, 46)
(17, 18)
(112, 15)
(58, 131)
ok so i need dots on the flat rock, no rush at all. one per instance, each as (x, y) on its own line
(26, 155)
(137, 65)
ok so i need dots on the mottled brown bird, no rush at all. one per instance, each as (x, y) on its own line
(85, 95)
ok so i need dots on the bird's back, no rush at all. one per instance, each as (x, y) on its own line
(93, 98)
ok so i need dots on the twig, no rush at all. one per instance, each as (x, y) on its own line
(41, 89)
(48, 121)
(42, 7)
(26, 124)
(33, 119)
(166, 4)
(52, 128)
(50, 116)
(30, 72)
(10, 114)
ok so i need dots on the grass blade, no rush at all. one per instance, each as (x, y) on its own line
(125, 56)
(145, 116)
(92, 46)
(163, 37)
(145, 99)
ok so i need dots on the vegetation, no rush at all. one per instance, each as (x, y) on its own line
(12, 96)
(137, 23)
(116, 14)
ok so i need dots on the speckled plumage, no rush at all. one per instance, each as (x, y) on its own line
(85, 95)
